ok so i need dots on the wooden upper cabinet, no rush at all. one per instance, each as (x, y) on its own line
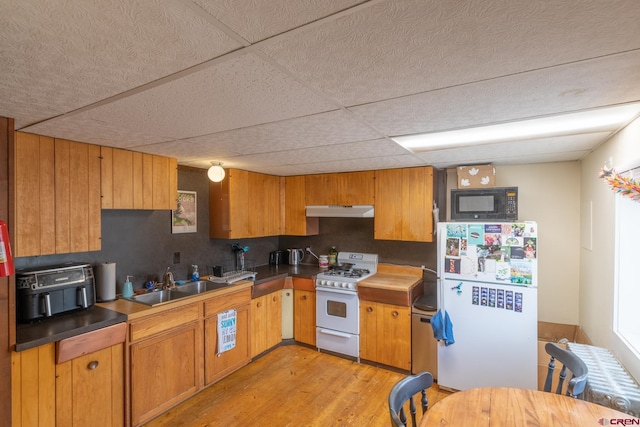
(296, 222)
(244, 204)
(404, 204)
(355, 188)
(57, 195)
(350, 188)
(77, 195)
(132, 180)
(34, 195)
(165, 183)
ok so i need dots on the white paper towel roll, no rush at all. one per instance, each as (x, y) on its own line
(106, 281)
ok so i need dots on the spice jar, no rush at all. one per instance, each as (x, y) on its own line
(323, 261)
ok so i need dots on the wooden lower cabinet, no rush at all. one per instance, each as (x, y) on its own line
(266, 322)
(173, 354)
(304, 309)
(217, 366)
(164, 371)
(385, 334)
(165, 358)
(90, 389)
(84, 391)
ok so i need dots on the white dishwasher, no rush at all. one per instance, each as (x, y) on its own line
(287, 313)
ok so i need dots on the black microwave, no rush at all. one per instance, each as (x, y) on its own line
(485, 204)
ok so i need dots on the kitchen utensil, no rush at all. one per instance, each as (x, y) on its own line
(295, 256)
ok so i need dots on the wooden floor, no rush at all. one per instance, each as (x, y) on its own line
(294, 386)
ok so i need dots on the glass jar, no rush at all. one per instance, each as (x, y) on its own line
(333, 255)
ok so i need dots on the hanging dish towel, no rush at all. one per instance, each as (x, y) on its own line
(442, 328)
(226, 330)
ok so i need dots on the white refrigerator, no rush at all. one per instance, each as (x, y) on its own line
(487, 287)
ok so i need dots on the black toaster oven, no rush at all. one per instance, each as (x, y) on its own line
(47, 291)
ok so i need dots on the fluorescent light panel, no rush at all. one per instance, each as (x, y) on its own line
(604, 119)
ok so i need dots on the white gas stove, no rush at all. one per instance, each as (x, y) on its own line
(350, 268)
(337, 303)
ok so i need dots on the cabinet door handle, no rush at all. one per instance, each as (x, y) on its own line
(92, 365)
(394, 314)
(274, 299)
(304, 297)
(259, 304)
(369, 309)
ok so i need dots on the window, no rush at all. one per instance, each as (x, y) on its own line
(627, 271)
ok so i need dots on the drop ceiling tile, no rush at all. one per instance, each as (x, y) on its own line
(63, 55)
(603, 81)
(566, 148)
(254, 20)
(287, 170)
(372, 163)
(400, 47)
(79, 127)
(334, 127)
(240, 91)
(363, 150)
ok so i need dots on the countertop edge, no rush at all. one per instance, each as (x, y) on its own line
(66, 326)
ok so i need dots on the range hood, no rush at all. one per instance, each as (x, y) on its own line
(339, 211)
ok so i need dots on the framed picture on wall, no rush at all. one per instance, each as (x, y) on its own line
(185, 218)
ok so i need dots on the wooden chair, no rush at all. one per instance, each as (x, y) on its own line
(403, 391)
(576, 366)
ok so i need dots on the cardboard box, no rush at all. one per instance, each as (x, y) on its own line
(558, 333)
(477, 176)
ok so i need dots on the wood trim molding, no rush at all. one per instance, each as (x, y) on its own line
(7, 284)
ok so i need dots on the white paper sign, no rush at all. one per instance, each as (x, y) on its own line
(226, 330)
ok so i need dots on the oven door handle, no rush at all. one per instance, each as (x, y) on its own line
(334, 333)
(336, 291)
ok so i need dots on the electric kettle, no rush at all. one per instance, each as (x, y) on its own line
(295, 256)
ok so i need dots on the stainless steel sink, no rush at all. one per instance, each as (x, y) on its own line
(160, 297)
(182, 291)
(193, 288)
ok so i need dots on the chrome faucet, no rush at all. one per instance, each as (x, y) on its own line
(167, 280)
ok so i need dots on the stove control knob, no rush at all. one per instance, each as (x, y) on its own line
(351, 286)
(330, 283)
(323, 282)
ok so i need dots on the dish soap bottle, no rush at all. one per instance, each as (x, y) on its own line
(127, 288)
(333, 255)
(195, 275)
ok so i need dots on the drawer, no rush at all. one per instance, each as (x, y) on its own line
(161, 322)
(226, 302)
(70, 348)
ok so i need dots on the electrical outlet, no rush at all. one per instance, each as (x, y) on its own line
(176, 257)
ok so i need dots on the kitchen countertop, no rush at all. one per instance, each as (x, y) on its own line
(391, 282)
(394, 278)
(29, 335)
(390, 278)
(270, 272)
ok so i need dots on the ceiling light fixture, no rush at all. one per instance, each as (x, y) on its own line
(216, 172)
(603, 119)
